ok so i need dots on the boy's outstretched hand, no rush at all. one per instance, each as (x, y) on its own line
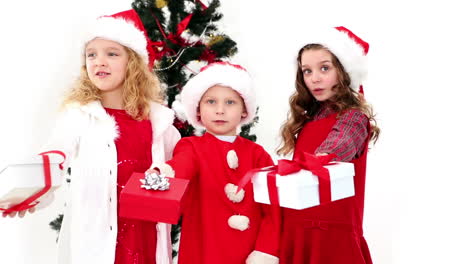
(149, 171)
(164, 169)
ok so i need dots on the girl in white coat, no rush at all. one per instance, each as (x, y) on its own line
(112, 125)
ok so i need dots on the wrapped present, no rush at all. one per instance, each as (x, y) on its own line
(24, 182)
(306, 182)
(139, 201)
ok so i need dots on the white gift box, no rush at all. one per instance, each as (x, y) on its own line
(23, 178)
(300, 190)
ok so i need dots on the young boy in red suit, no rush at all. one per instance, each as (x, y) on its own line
(220, 225)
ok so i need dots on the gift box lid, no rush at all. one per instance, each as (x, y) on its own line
(152, 205)
(134, 193)
(338, 170)
(29, 161)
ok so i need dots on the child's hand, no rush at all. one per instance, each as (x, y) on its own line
(21, 214)
(162, 168)
(149, 171)
(321, 154)
(258, 257)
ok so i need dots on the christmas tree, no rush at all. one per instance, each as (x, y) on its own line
(185, 37)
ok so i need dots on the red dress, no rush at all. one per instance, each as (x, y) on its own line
(136, 240)
(330, 233)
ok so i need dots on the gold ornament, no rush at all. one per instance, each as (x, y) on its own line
(215, 40)
(160, 3)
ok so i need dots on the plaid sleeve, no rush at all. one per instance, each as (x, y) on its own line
(347, 137)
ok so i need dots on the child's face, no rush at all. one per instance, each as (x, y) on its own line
(221, 109)
(106, 64)
(320, 75)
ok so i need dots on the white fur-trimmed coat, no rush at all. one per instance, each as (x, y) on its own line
(86, 133)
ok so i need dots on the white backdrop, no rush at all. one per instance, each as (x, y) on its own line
(416, 188)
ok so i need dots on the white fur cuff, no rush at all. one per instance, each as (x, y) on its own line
(258, 257)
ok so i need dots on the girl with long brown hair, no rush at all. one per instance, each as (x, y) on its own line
(329, 115)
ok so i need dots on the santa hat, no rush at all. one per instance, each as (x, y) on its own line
(350, 50)
(126, 29)
(218, 73)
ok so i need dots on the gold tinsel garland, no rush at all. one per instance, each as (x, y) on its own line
(160, 3)
(214, 40)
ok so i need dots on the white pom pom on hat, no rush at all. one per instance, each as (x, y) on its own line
(218, 73)
(350, 50)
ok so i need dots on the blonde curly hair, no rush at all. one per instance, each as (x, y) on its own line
(140, 88)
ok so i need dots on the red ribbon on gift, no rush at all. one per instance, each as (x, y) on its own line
(31, 201)
(305, 161)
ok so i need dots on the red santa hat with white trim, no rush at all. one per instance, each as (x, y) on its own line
(218, 73)
(126, 29)
(350, 50)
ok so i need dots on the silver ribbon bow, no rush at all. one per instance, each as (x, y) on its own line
(154, 181)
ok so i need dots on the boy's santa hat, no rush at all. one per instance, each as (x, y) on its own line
(126, 29)
(350, 50)
(218, 73)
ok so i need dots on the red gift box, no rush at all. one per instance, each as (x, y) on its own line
(152, 205)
